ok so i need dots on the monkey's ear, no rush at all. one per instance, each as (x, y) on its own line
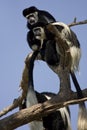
(29, 10)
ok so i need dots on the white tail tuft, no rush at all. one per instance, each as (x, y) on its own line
(30, 101)
(82, 117)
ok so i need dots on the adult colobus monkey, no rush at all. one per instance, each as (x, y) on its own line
(53, 51)
(58, 120)
(40, 38)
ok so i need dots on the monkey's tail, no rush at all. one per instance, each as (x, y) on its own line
(82, 115)
(31, 98)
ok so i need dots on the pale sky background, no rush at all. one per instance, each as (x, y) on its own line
(14, 48)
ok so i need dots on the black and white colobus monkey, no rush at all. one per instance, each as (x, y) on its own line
(39, 38)
(58, 120)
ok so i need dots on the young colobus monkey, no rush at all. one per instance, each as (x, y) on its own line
(58, 120)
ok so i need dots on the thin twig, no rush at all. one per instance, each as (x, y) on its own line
(77, 23)
(15, 104)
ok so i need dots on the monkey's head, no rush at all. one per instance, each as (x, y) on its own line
(34, 15)
(31, 15)
(36, 37)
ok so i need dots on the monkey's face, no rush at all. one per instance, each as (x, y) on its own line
(39, 35)
(32, 18)
(31, 14)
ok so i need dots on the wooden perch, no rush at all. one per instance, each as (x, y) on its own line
(37, 111)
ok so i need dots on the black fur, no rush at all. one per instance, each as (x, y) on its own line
(51, 55)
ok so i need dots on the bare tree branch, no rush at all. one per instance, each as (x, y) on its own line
(37, 111)
(74, 23)
(16, 103)
(24, 86)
